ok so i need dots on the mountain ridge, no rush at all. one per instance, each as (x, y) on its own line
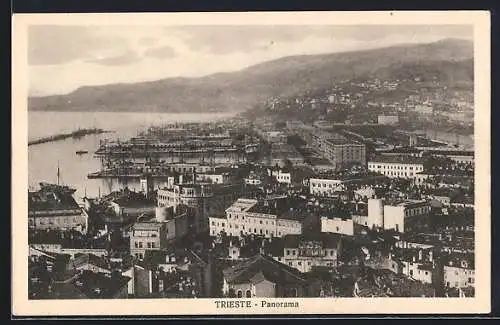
(243, 89)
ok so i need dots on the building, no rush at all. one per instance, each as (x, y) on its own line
(337, 226)
(90, 262)
(458, 271)
(218, 176)
(205, 199)
(54, 208)
(268, 217)
(342, 152)
(132, 205)
(282, 176)
(424, 109)
(388, 119)
(263, 277)
(155, 234)
(375, 213)
(90, 285)
(397, 167)
(397, 215)
(403, 215)
(325, 186)
(304, 252)
(145, 236)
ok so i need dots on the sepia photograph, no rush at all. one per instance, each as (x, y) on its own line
(251, 163)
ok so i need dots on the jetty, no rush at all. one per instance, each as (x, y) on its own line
(62, 136)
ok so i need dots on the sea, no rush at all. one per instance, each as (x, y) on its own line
(44, 159)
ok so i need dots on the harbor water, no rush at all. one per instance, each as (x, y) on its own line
(44, 159)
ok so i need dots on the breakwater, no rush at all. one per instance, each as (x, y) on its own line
(62, 136)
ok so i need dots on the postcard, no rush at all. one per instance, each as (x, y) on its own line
(259, 163)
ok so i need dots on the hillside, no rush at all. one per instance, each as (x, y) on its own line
(238, 91)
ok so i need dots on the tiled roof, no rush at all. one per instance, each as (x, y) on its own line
(270, 269)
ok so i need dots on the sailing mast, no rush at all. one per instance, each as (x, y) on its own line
(58, 173)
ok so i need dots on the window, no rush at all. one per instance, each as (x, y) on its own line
(260, 221)
(223, 224)
(140, 244)
(248, 294)
(240, 294)
(294, 252)
(299, 263)
(287, 252)
(213, 223)
(331, 253)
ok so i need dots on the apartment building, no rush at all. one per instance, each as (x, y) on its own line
(268, 217)
(397, 166)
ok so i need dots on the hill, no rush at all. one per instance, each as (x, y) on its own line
(242, 90)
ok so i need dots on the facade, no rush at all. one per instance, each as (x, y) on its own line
(155, 234)
(324, 186)
(400, 216)
(245, 217)
(282, 176)
(215, 178)
(459, 273)
(305, 252)
(263, 277)
(388, 119)
(337, 226)
(342, 153)
(205, 199)
(52, 209)
(145, 236)
(375, 213)
(396, 167)
(418, 271)
(396, 215)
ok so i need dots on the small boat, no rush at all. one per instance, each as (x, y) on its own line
(81, 152)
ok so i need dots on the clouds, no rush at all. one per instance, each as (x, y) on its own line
(53, 45)
(122, 59)
(73, 56)
(163, 52)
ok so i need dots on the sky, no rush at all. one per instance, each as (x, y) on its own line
(62, 58)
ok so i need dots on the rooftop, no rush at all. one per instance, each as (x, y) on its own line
(282, 207)
(262, 267)
(326, 240)
(49, 199)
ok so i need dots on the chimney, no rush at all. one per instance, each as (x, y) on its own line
(420, 255)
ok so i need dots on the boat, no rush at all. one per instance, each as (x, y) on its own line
(82, 152)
